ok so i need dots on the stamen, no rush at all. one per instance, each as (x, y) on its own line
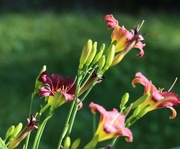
(173, 84)
(139, 26)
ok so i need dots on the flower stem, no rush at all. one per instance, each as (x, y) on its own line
(40, 132)
(66, 126)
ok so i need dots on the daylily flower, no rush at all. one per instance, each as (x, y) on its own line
(30, 126)
(158, 98)
(111, 124)
(56, 88)
(125, 40)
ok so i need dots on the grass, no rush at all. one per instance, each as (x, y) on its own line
(28, 41)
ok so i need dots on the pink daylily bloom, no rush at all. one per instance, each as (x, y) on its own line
(123, 37)
(111, 124)
(158, 98)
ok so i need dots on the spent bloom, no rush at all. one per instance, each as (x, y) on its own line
(158, 98)
(30, 126)
(55, 87)
(111, 124)
(125, 40)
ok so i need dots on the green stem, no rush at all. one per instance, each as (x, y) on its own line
(66, 126)
(44, 108)
(114, 141)
(30, 112)
(40, 132)
(76, 107)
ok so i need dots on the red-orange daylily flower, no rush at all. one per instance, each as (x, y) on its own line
(125, 40)
(111, 124)
(122, 36)
(158, 98)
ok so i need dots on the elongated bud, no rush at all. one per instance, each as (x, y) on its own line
(9, 131)
(85, 53)
(16, 131)
(124, 100)
(110, 56)
(99, 54)
(136, 111)
(75, 144)
(101, 62)
(143, 112)
(37, 83)
(67, 143)
(92, 54)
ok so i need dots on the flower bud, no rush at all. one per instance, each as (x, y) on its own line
(124, 100)
(16, 131)
(75, 144)
(37, 83)
(9, 131)
(136, 111)
(99, 54)
(143, 112)
(85, 53)
(110, 56)
(101, 62)
(67, 143)
(92, 54)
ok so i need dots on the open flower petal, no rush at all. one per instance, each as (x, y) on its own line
(111, 124)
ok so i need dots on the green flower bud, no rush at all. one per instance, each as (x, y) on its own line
(67, 143)
(99, 54)
(38, 84)
(136, 111)
(16, 131)
(140, 100)
(124, 100)
(9, 131)
(110, 56)
(101, 62)
(75, 144)
(85, 53)
(143, 112)
(92, 54)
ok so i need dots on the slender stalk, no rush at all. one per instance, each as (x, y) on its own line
(70, 112)
(30, 111)
(76, 107)
(40, 132)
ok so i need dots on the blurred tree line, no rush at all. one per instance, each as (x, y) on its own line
(95, 5)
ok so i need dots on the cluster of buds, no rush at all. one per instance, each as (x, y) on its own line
(122, 41)
(15, 134)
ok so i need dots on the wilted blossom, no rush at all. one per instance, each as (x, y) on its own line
(158, 98)
(56, 88)
(111, 124)
(125, 40)
(30, 126)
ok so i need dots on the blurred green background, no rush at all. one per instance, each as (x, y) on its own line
(34, 33)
